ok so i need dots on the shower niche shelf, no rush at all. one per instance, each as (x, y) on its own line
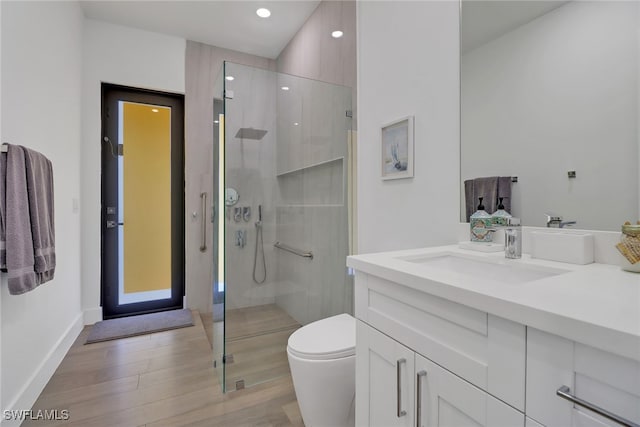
(320, 184)
(308, 205)
(314, 165)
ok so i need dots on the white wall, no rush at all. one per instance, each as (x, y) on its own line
(41, 92)
(408, 64)
(124, 56)
(558, 94)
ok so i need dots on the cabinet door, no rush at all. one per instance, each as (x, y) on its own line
(596, 377)
(384, 380)
(445, 399)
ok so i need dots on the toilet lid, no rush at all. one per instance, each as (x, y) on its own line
(330, 338)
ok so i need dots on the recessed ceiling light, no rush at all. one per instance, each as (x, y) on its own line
(285, 88)
(230, 78)
(155, 110)
(337, 34)
(263, 13)
(296, 124)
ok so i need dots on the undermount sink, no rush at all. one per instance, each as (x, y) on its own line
(503, 271)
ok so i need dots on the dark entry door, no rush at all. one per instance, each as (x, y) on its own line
(142, 201)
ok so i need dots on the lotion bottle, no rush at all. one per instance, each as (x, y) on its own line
(480, 223)
(500, 218)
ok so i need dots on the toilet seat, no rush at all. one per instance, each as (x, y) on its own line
(326, 339)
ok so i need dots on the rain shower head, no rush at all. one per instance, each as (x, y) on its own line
(251, 133)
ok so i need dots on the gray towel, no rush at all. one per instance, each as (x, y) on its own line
(40, 187)
(19, 240)
(504, 191)
(489, 188)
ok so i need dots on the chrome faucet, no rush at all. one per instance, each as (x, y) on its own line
(556, 221)
(512, 237)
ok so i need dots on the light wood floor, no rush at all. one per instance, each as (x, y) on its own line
(257, 338)
(160, 379)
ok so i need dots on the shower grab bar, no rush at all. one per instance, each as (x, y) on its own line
(293, 251)
(203, 220)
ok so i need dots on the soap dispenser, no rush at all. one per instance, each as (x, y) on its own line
(480, 223)
(500, 217)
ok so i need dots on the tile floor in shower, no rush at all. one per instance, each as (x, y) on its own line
(257, 338)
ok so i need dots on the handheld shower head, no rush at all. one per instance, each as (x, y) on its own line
(259, 221)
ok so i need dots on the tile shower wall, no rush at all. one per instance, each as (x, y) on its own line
(312, 209)
(314, 54)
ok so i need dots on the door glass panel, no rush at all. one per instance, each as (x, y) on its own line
(144, 202)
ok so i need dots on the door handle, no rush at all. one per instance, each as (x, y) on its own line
(420, 376)
(565, 393)
(113, 224)
(203, 221)
(400, 411)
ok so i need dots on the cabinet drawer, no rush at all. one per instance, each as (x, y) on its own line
(606, 380)
(485, 350)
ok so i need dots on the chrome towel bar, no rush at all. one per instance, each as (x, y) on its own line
(293, 251)
(565, 393)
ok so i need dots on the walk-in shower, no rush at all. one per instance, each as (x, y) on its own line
(282, 144)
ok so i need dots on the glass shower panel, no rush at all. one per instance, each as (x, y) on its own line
(313, 125)
(286, 230)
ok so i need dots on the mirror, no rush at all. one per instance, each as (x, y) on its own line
(549, 94)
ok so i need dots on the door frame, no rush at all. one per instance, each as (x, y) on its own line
(111, 93)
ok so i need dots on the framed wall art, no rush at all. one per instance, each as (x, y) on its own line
(397, 149)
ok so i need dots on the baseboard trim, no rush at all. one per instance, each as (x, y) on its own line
(36, 383)
(92, 315)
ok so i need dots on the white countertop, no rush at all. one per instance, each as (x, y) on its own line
(594, 304)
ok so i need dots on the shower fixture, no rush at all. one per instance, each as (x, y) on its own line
(251, 133)
(241, 238)
(246, 213)
(259, 242)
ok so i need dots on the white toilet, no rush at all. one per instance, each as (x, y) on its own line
(322, 358)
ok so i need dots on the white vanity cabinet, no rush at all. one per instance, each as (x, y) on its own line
(597, 377)
(487, 351)
(448, 347)
(398, 387)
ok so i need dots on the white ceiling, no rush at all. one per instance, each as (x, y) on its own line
(483, 21)
(228, 24)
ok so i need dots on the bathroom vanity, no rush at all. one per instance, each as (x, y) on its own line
(447, 336)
